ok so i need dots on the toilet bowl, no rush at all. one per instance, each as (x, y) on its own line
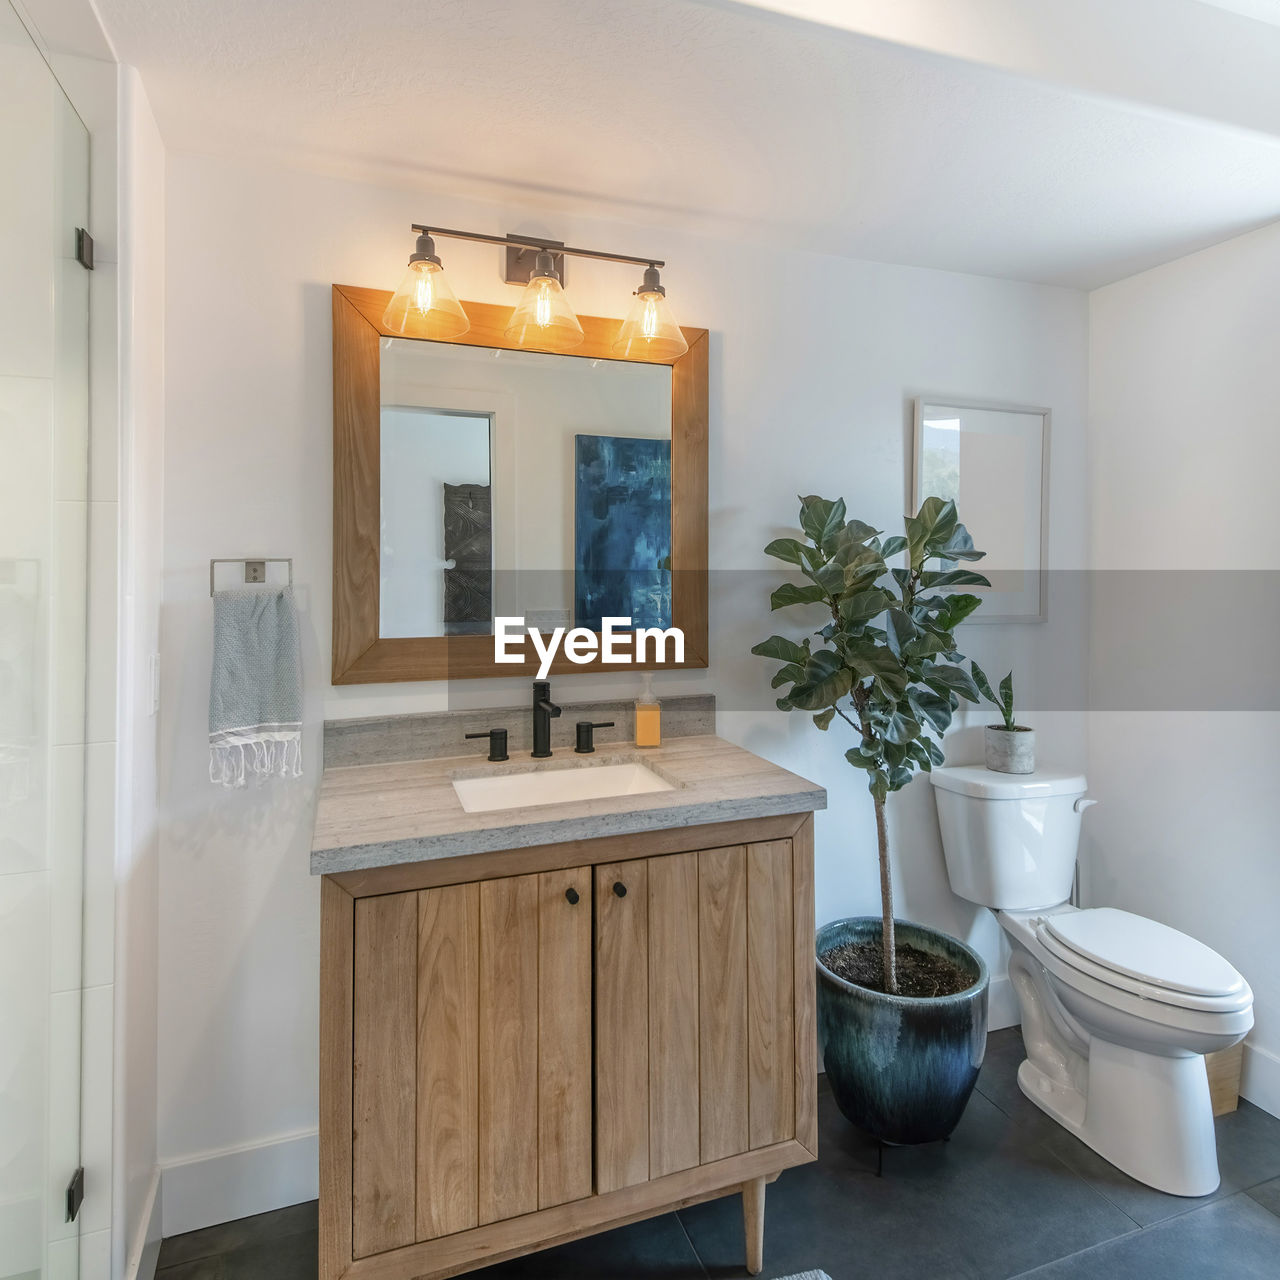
(1118, 1010)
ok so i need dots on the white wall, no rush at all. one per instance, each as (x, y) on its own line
(141, 462)
(1185, 451)
(811, 395)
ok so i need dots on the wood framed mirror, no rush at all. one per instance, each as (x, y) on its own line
(462, 476)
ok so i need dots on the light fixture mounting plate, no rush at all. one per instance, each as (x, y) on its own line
(518, 268)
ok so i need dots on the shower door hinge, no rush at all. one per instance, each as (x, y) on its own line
(84, 248)
(75, 1194)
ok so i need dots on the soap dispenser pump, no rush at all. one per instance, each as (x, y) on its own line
(648, 716)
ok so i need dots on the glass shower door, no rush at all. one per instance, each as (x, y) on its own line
(44, 444)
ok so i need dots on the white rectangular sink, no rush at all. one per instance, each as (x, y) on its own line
(556, 786)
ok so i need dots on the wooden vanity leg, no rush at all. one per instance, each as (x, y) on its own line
(753, 1223)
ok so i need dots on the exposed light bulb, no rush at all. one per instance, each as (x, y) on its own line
(650, 331)
(544, 319)
(424, 306)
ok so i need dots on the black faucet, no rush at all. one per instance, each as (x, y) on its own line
(544, 711)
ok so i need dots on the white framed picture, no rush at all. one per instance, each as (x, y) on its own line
(993, 460)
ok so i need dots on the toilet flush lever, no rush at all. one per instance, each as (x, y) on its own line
(1082, 803)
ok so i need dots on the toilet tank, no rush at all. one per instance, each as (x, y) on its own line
(1010, 840)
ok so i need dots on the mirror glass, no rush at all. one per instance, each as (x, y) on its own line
(521, 484)
(993, 461)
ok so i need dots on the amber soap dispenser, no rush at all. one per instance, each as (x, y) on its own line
(648, 716)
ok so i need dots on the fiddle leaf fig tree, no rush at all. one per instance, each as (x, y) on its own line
(886, 662)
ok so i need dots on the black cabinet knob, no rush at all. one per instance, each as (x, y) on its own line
(620, 889)
(571, 896)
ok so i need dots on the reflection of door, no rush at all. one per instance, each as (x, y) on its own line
(468, 547)
(44, 335)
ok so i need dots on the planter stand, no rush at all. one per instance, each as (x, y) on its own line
(882, 1146)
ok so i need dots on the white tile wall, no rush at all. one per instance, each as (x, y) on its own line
(66, 866)
(99, 850)
(100, 718)
(70, 611)
(62, 1098)
(97, 1090)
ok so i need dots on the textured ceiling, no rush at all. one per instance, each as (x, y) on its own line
(707, 115)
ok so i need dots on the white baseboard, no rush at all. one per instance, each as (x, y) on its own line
(145, 1251)
(1260, 1081)
(221, 1186)
(1002, 1004)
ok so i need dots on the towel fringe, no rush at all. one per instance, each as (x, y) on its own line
(233, 764)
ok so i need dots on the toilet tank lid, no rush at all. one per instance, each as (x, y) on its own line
(977, 780)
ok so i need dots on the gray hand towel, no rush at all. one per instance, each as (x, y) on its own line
(255, 694)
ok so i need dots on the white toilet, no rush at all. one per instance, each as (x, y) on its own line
(1117, 1010)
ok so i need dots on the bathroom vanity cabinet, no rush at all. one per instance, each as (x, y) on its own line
(523, 1046)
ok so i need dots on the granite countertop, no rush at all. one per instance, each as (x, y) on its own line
(378, 815)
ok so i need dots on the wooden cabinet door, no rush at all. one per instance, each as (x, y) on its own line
(695, 1009)
(471, 1056)
(622, 1024)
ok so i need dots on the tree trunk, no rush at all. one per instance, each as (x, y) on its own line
(886, 905)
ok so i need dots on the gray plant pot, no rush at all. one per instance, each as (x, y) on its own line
(901, 1068)
(1011, 750)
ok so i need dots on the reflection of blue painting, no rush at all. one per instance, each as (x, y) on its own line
(622, 530)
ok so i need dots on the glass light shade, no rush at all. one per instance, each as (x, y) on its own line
(544, 319)
(650, 331)
(424, 306)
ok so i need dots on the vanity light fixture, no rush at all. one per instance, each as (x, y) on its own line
(650, 331)
(544, 320)
(425, 306)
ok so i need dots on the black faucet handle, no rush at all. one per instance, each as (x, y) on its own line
(497, 743)
(586, 741)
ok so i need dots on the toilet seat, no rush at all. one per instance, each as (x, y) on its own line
(1144, 958)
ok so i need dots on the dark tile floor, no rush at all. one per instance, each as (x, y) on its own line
(1011, 1194)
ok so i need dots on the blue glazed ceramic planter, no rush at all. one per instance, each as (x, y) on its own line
(901, 1068)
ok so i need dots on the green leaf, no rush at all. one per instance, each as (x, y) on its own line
(956, 609)
(824, 718)
(1006, 698)
(787, 549)
(826, 681)
(982, 683)
(820, 518)
(830, 577)
(959, 546)
(789, 593)
(859, 532)
(927, 645)
(900, 632)
(932, 526)
(900, 729)
(784, 704)
(787, 675)
(930, 706)
(892, 546)
(899, 777)
(946, 678)
(858, 760)
(781, 648)
(878, 785)
(862, 606)
(954, 578)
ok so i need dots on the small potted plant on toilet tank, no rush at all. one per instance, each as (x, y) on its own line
(1010, 747)
(902, 1008)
